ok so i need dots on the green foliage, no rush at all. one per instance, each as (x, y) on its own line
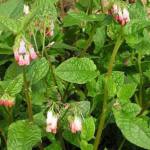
(23, 135)
(38, 70)
(77, 70)
(134, 128)
(89, 64)
(88, 125)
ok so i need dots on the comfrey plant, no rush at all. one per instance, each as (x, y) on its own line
(74, 74)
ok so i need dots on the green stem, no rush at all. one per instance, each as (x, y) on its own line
(34, 38)
(27, 96)
(102, 116)
(88, 43)
(121, 145)
(141, 79)
(90, 7)
(43, 47)
(53, 74)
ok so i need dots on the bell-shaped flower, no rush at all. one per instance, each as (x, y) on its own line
(76, 125)
(51, 122)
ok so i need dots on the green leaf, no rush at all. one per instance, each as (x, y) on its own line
(54, 146)
(12, 71)
(10, 24)
(5, 49)
(91, 86)
(135, 129)
(77, 18)
(126, 91)
(147, 73)
(118, 78)
(77, 70)
(88, 129)
(83, 106)
(23, 135)
(72, 138)
(38, 93)
(12, 8)
(85, 146)
(37, 70)
(99, 39)
(12, 87)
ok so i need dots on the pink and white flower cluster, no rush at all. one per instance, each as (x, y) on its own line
(25, 53)
(120, 15)
(52, 121)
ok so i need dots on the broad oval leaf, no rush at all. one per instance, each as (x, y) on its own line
(38, 70)
(77, 70)
(23, 135)
(135, 129)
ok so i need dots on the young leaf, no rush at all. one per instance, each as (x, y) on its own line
(88, 129)
(23, 135)
(77, 70)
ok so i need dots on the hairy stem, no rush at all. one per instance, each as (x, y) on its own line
(27, 96)
(102, 116)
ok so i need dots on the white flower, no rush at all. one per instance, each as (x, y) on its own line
(76, 125)
(51, 122)
(126, 15)
(26, 9)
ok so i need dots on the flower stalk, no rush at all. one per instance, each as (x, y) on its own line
(102, 116)
(28, 97)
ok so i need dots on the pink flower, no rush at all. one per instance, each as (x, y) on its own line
(51, 122)
(115, 9)
(16, 55)
(27, 59)
(7, 103)
(76, 125)
(126, 15)
(21, 61)
(33, 54)
(22, 48)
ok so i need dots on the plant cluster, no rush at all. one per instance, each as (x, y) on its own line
(74, 74)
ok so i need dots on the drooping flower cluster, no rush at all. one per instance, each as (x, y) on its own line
(51, 122)
(120, 15)
(25, 53)
(76, 125)
(7, 103)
